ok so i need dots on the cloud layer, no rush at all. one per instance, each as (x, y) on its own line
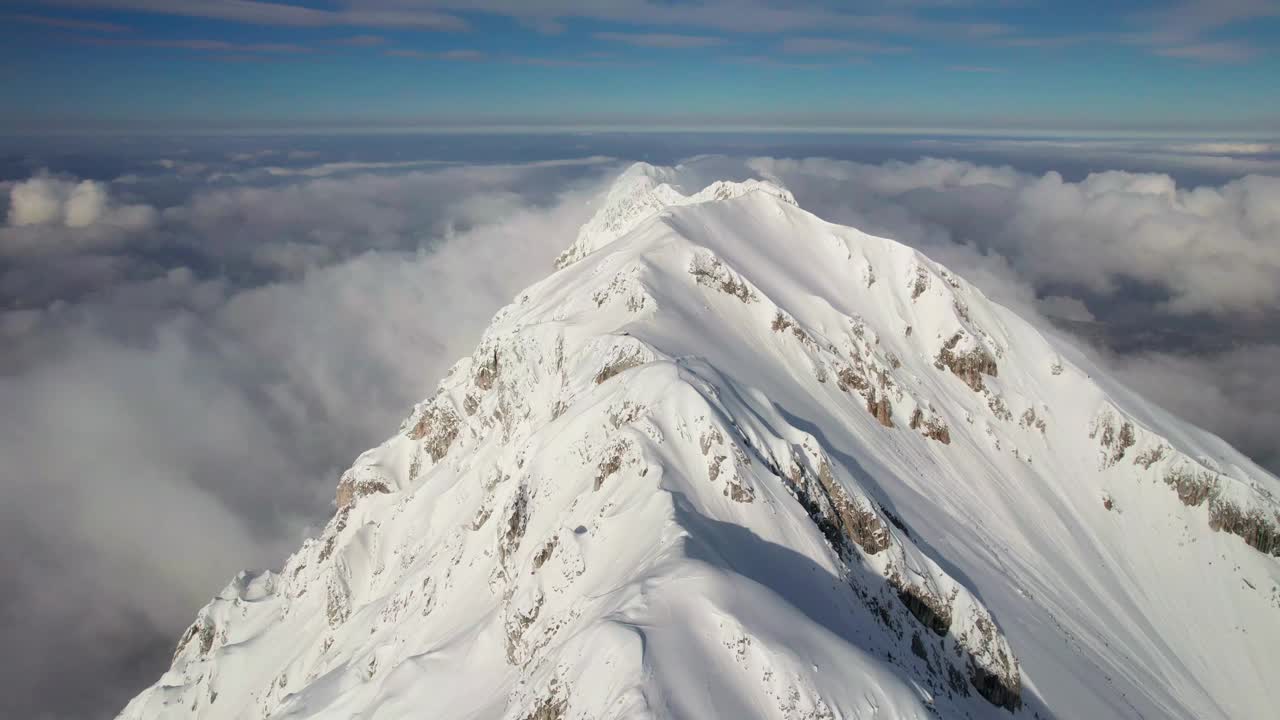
(1206, 249)
(185, 412)
(1234, 393)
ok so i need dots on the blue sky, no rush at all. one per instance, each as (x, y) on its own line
(1195, 67)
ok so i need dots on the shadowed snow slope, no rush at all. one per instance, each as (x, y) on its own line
(731, 460)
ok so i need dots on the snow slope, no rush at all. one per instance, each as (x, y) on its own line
(730, 460)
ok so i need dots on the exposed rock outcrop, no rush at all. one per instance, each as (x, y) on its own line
(349, 488)
(880, 407)
(709, 271)
(969, 366)
(931, 427)
(437, 427)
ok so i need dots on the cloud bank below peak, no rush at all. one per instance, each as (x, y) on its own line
(1205, 249)
(192, 388)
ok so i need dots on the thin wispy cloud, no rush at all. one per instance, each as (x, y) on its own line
(201, 45)
(795, 63)
(743, 43)
(362, 41)
(451, 55)
(1189, 29)
(1188, 20)
(975, 69)
(1185, 23)
(543, 26)
(1221, 158)
(250, 57)
(546, 61)
(1212, 52)
(836, 46)
(1052, 42)
(388, 15)
(548, 16)
(69, 23)
(661, 40)
(462, 55)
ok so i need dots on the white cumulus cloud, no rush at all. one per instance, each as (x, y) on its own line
(45, 200)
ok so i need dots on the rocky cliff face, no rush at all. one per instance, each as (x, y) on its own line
(730, 460)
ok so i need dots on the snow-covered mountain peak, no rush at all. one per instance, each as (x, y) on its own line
(731, 460)
(644, 191)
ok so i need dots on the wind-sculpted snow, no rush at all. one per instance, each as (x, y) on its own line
(733, 461)
(643, 191)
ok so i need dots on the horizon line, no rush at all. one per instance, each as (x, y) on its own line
(602, 129)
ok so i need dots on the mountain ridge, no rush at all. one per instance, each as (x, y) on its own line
(727, 433)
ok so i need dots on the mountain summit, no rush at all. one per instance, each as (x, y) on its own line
(731, 460)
